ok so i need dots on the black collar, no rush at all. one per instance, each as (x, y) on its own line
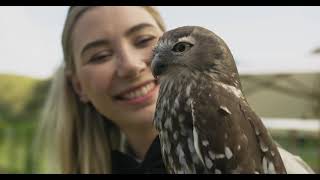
(152, 163)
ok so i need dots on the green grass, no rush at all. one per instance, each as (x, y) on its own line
(15, 92)
(15, 141)
(21, 99)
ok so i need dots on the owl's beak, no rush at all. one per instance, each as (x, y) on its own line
(158, 66)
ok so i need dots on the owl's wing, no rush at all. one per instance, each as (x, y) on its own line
(228, 135)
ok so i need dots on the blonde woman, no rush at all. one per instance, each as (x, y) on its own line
(100, 107)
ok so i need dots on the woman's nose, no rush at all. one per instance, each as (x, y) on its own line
(130, 64)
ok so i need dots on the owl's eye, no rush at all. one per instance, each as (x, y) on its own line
(181, 47)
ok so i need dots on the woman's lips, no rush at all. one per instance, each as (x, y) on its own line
(140, 94)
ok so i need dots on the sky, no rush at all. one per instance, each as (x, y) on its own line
(262, 39)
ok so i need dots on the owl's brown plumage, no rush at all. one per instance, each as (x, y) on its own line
(204, 121)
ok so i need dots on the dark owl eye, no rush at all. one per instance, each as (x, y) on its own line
(181, 47)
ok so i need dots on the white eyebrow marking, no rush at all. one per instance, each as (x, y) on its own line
(188, 39)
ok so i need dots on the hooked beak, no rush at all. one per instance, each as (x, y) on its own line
(158, 66)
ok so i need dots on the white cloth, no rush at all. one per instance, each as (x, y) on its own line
(294, 164)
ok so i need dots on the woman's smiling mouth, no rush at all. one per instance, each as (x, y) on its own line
(139, 94)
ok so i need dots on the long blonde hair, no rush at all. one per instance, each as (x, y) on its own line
(81, 138)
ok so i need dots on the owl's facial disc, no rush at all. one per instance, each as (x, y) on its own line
(163, 58)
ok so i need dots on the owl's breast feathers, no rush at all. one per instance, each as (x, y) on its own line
(218, 124)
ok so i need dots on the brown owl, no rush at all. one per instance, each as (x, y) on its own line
(204, 121)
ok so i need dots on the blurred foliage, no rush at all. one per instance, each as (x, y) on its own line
(21, 99)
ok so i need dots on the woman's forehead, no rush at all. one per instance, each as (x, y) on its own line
(101, 21)
(112, 18)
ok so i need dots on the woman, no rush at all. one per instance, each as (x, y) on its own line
(101, 104)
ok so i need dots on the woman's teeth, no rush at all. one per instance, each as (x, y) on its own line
(142, 91)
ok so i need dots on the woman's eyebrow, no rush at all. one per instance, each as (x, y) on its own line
(137, 28)
(93, 44)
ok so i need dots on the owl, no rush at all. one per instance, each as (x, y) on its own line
(204, 121)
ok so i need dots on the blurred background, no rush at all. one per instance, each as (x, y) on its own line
(277, 50)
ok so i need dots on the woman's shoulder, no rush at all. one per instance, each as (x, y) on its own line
(293, 163)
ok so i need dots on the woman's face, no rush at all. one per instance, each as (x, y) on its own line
(112, 47)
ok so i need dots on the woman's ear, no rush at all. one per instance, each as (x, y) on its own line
(77, 87)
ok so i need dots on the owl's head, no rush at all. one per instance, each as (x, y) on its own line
(192, 48)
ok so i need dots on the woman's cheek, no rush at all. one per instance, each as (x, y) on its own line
(102, 79)
(94, 80)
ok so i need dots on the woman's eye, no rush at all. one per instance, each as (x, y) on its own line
(144, 41)
(181, 47)
(100, 57)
